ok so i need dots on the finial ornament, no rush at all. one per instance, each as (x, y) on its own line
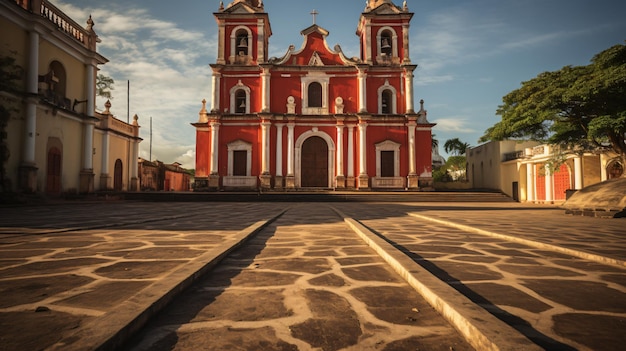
(221, 6)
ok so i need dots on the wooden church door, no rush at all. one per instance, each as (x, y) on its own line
(53, 172)
(314, 171)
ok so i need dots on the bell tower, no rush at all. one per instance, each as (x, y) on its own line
(384, 33)
(244, 31)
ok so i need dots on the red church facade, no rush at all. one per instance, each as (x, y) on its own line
(313, 118)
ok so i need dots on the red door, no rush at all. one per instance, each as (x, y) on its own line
(314, 163)
(53, 171)
(117, 176)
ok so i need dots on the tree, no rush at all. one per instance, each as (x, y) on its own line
(580, 107)
(455, 146)
(104, 85)
(435, 142)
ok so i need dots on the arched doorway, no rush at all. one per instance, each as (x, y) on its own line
(53, 171)
(314, 165)
(117, 176)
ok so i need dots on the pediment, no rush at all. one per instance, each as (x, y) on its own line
(386, 9)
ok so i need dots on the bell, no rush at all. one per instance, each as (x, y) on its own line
(243, 104)
(385, 44)
(243, 43)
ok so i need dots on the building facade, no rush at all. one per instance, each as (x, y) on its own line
(158, 176)
(532, 172)
(313, 118)
(56, 141)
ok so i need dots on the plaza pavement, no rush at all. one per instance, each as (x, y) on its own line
(83, 276)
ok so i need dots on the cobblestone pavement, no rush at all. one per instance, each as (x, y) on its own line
(75, 275)
(559, 301)
(305, 282)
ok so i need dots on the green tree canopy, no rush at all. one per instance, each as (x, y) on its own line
(582, 107)
(104, 85)
(455, 146)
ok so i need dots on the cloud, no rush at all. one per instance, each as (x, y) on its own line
(167, 67)
(456, 124)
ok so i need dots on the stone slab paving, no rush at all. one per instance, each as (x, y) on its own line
(559, 301)
(305, 282)
(59, 280)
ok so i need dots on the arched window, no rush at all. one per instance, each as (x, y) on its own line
(615, 170)
(386, 101)
(315, 94)
(240, 101)
(386, 43)
(242, 42)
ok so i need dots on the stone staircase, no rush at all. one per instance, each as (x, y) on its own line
(320, 196)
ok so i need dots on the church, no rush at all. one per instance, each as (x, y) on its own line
(313, 118)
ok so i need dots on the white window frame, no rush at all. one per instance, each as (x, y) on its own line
(394, 98)
(324, 81)
(233, 43)
(388, 145)
(394, 41)
(233, 95)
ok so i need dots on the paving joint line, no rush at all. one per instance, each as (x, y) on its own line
(528, 242)
(116, 327)
(481, 329)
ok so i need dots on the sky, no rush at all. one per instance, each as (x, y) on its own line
(470, 53)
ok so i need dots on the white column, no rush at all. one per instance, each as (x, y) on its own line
(411, 134)
(215, 95)
(215, 128)
(340, 150)
(32, 80)
(350, 151)
(279, 149)
(549, 182)
(405, 42)
(260, 41)
(265, 90)
(105, 153)
(362, 149)
(89, 127)
(265, 153)
(578, 173)
(290, 149)
(408, 80)
(362, 91)
(134, 162)
(221, 44)
(368, 42)
(530, 182)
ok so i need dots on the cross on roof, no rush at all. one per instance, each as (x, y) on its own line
(314, 13)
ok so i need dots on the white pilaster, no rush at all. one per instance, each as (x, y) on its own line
(578, 173)
(408, 80)
(260, 41)
(215, 128)
(411, 134)
(350, 151)
(221, 44)
(265, 89)
(530, 182)
(215, 95)
(279, 149)
(362, 149)
(549, 183)
(265, 153)
(32, 79)
(362, 91)
(290, 149)
(340, 150)
(89, 126)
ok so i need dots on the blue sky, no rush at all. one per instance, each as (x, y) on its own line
(470, 54)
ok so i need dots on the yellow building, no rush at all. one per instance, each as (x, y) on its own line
(529, 171)
(56, 141)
